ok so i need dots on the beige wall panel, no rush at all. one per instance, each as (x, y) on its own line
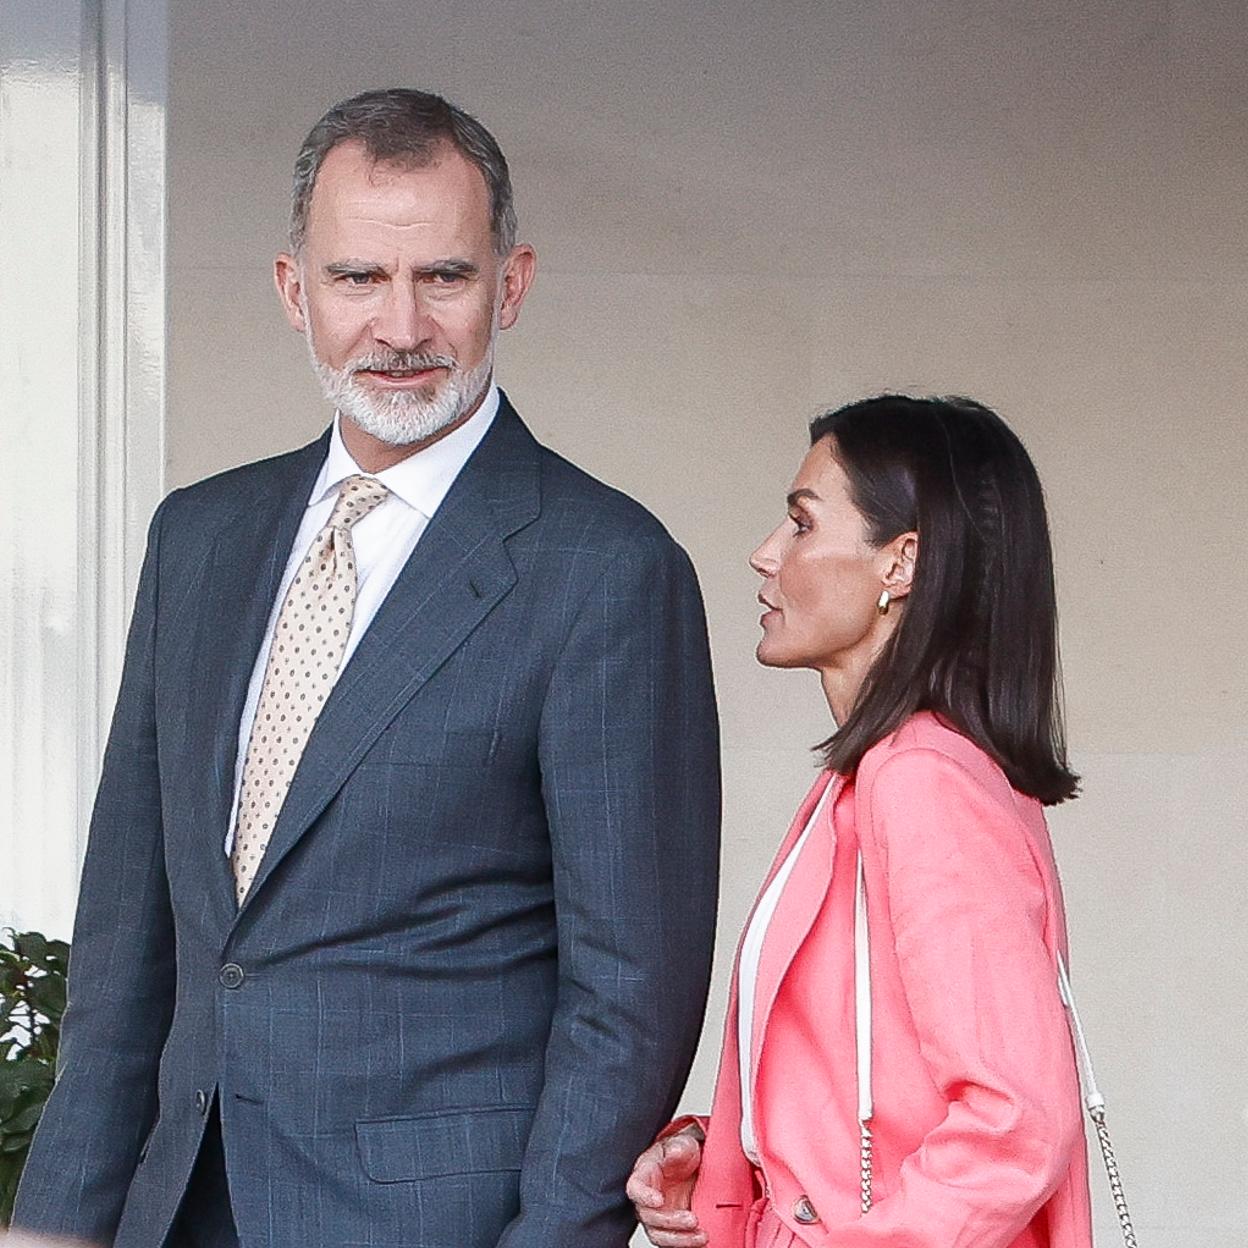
(1159, 952)
(241, 386)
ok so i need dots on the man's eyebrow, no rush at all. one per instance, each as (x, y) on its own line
(452, 266)
(798, 495)
(338, 268)
(461, 268)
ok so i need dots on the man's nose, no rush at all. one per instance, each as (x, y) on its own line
(403, 322)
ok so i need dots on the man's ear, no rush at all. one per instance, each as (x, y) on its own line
(518, 270)
(288, 278)
(899, 557)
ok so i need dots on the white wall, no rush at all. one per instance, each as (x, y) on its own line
(81, 409)
(41, 676)
(747, 212)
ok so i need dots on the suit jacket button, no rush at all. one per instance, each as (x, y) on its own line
(804, 1211)
(231, 975)
(201, 1100)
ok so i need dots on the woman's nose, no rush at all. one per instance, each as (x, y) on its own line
(764, 560)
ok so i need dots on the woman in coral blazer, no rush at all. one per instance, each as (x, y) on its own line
(914, 573)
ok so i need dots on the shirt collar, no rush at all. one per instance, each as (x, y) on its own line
(424, 478)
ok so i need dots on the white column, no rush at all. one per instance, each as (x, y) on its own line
(82, 91)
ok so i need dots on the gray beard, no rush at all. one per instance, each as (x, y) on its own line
(402, 418)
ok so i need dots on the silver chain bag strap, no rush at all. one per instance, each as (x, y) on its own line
(1093, 1101)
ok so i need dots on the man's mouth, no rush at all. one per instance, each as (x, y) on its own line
(403, 370)
(402, 376)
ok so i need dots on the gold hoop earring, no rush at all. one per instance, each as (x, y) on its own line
(882, 605)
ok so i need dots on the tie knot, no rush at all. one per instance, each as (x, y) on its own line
(357, 496)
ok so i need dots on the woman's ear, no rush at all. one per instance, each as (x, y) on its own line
(900, 556)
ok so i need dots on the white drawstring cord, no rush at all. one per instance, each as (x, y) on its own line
(862, 1021)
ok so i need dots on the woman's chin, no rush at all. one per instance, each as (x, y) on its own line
(771, 655)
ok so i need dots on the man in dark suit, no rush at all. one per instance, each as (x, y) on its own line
(396, 917)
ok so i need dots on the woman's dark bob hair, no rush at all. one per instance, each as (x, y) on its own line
(977, 638)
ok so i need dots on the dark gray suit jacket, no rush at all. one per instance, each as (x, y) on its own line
(466, 985)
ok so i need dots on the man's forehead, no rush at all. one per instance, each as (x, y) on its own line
(353, 164)
(354, 186)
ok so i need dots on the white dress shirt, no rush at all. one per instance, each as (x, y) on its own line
(747, 975)
(383, 540)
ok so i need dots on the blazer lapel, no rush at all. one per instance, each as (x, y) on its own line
(799, 904)
(243, 574)
(729, 1061)
(458, 572)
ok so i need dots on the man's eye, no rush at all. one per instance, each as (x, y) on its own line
(358, 279)
(447, 277)
(799, 523)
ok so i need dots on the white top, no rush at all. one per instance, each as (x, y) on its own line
(383, 540)
(747, 975)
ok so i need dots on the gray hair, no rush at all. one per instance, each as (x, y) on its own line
(406, 127)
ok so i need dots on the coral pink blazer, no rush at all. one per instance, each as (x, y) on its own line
(978, 1124)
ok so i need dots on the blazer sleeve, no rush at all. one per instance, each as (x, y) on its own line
(629, 754)
(968, 908)
(121, 974)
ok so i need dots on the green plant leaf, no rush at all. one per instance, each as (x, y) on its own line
(13, 1080)
(58, 952)
(33, 946)
(47, 995)
(32, 977)
(25, 1121)
(10, 1172)
(17, 1077)
(39, 1084)
(43, 1048)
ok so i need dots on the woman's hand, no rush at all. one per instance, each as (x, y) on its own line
(661, 1189)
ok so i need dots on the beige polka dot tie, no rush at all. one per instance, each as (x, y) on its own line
(309, 641)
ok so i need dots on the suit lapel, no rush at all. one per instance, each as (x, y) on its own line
(244, 572)
(458, 572)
